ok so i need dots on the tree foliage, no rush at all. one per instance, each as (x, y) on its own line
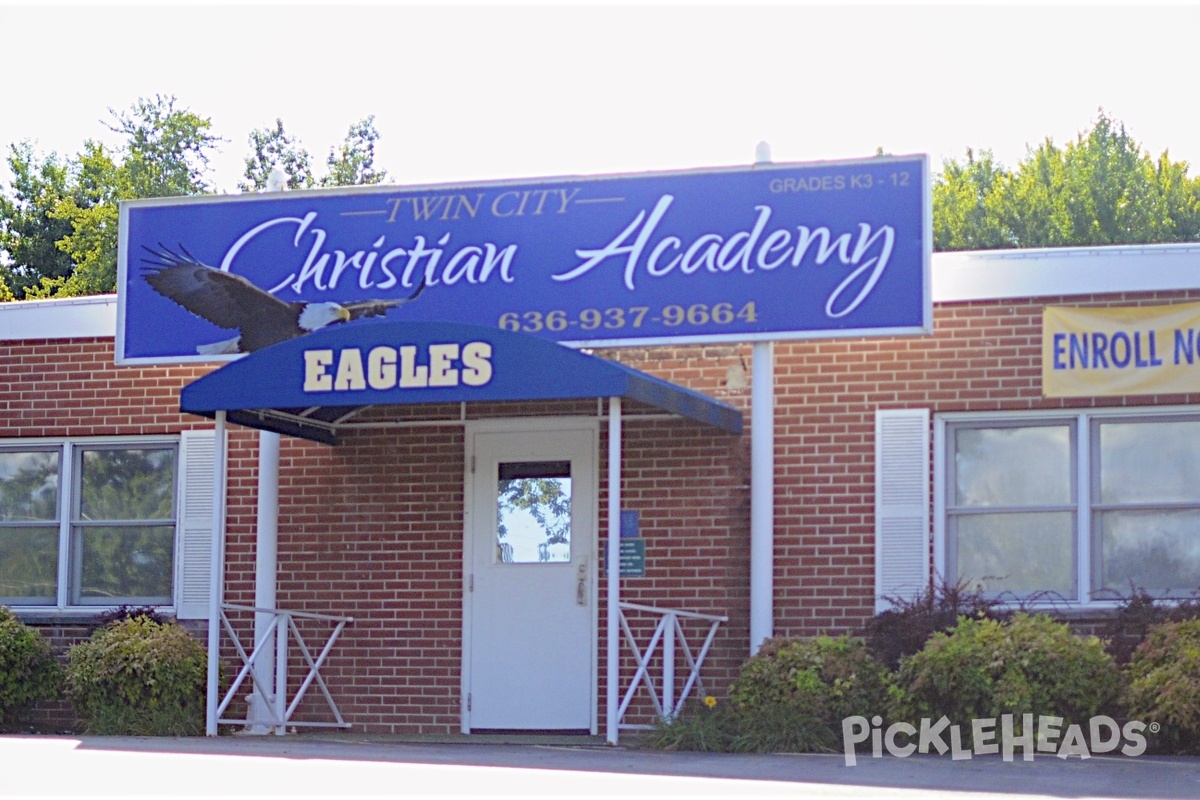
(58, 218)
(274, 146)
(1100, 189)
(60, 222)
(29, 229)
(354, 163)
(351, 164)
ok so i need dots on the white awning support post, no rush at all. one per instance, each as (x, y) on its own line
(266, 558)
(216, 580)
(762, 495)
(762, 479)
(266, 547)
(613, 564)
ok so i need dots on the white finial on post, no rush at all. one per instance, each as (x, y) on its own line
(276, 179)
(762, 153)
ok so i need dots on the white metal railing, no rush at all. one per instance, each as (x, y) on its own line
(277, 711)
(667, 633)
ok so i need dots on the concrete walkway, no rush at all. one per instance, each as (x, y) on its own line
(349, 766)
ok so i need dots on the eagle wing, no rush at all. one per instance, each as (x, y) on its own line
(224, 299)
(378, 308)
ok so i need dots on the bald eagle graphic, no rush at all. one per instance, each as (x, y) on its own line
(232, 302)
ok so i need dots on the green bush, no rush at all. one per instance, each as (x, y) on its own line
(800, 690)
(1164, 685)
(790, 697)
(904, 629)
(28, 671)
(724, 728)
(139, 677)
(1138, 614)
(984, 668)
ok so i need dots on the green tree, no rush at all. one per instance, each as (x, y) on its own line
(60, 222)
(1100, 189)
(167, 149)
(91, 214)
(165, 154)
(351, 164)
(965, 198)
(273, 146)
(354, 163)
(29, 231)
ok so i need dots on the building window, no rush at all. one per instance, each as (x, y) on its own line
(1145, 505)
(87, 522)
(1081, 507)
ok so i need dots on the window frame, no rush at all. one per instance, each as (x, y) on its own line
(70, 528)
(953, 512)
(1085, 426)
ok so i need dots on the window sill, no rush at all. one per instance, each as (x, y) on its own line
(72, 616)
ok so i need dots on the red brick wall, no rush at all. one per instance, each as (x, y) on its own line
(72, 387)
(982, 356)
(373, 527)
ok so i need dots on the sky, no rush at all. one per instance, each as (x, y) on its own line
(464, 92)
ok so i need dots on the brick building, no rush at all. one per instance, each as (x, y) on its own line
(896, 458)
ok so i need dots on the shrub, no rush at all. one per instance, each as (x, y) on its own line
(1137, 614)
(121, 613)
(1164, 685)
(984, 668)
(706, 727)
(28, 671)
(139, 677)
(795, 693)
(790, 697)
(904, 629)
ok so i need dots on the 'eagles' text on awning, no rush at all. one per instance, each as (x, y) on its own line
(405, 367)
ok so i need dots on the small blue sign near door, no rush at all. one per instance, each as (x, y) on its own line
(629, 524)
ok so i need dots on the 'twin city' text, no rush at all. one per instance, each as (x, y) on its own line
(861, 257)
(1103, 735)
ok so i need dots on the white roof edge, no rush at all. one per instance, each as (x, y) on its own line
(68, 318)
(957, 277)
(1064, 271)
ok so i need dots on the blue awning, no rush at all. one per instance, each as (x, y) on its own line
(304, 386)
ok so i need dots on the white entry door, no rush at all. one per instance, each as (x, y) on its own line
(530, 602)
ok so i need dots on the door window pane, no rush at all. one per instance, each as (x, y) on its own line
(1013, 466)
(533, 512)
(1016, 553)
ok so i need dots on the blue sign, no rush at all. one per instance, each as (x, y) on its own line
(771, 252)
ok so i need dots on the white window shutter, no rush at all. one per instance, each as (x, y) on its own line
(197, 450)
(902, 480)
